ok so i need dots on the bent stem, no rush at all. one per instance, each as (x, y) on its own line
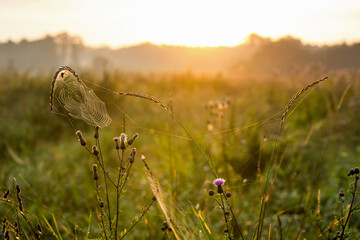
(143, 213)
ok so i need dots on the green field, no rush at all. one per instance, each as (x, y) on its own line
(230, 124)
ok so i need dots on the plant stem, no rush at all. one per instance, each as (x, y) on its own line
(118, 192)
(143, 213)
(351, 209)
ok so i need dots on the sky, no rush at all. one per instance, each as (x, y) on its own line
(117, 23)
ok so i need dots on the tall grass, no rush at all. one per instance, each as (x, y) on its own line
(318, 144)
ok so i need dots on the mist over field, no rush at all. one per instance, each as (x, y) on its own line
(259, 56)
(256, 141)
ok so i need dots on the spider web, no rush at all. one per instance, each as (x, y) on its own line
(76, 99)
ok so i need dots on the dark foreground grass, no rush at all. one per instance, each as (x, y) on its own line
(235, 124)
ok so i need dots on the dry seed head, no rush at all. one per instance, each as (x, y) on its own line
(123, 141)
(95, 150)
(132, 155)
(117, 145)
(95, 172)
(96, 134)
(80, 137)
(133, 138)
(6, 194)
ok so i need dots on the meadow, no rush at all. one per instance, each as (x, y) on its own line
(287, 181)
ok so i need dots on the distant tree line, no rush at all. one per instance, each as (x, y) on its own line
(258, 56)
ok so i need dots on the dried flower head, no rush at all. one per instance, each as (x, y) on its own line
(123, 141)
(80, 137)
(95, 150)
(132, 155)
(95, 172)
(133, 138)
(96, 134)
(117, 145)
(219, 181)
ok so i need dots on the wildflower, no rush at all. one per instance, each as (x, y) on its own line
(219, 182)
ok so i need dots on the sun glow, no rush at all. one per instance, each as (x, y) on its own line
(186, 22)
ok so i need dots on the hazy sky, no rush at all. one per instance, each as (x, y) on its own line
(184, 22)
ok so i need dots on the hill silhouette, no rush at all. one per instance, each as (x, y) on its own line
(258, 56)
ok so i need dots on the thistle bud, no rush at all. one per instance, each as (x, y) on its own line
(356, 170)
(228, 194)
(133, 138)
(211, 192)
(95, 150)
(95, 172)
(117, 145)
(154, 198)
(123, 140)
(132, 155)
(80, 137)
(341, 194)
(96, 134)
(101, 204)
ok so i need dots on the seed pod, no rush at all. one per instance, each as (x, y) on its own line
(81, 138)
(95, 172)
(96, 134)
(117, 145)
(133, 138)
(95, 150)
(123, 140)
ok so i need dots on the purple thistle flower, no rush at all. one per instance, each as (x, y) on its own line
(219, 182)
